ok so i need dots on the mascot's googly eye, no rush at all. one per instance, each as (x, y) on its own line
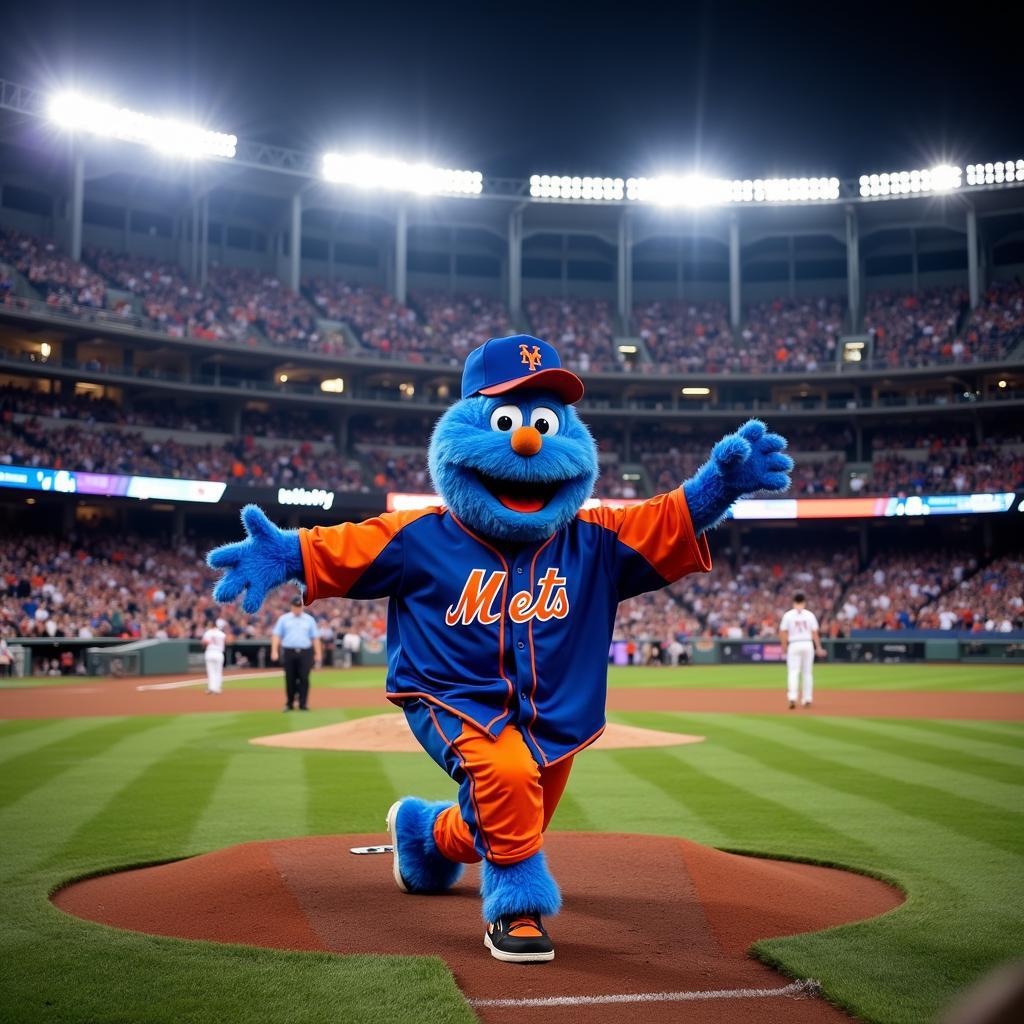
(545, 421)
(506, 418)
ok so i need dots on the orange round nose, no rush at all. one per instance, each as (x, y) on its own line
(526, 441)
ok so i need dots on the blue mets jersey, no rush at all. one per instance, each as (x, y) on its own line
(500, 633)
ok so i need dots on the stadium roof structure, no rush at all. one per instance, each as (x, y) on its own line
(271, 163)
(287, 193)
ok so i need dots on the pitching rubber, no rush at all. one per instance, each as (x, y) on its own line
(393, 832)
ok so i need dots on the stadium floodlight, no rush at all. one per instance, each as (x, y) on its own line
(995, 173)
(697, 190)
(370, 172)
(593, 189)
(943, 178)
(334, 386)
(696, 392)
(78, 113)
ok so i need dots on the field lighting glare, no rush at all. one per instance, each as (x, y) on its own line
(695, 190)
(553, 186)
(174, 138)
(370, 172)
(943, 178)
(995, 173)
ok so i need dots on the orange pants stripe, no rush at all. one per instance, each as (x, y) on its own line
(506, 800)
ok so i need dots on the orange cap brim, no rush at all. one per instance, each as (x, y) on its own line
(564, 383)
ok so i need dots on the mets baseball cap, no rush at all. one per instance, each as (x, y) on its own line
(520, 361)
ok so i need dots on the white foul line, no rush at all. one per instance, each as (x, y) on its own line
(805, 987)
(201, 681)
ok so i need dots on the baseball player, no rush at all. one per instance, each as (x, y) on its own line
(502, 606)
(800, 642)
(214, 642)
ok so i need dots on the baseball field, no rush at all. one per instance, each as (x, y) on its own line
(911, 774)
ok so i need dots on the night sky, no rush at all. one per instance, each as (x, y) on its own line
(731, 89)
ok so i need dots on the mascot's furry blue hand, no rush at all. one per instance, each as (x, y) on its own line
(741, 463)
(266, 559)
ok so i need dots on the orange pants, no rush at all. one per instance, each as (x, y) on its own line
(506, 799)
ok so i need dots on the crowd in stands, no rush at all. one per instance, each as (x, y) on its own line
(455, 324)
(784, 335)
(892, 590)
(991, 600)
(262, 303)
(685, 337)
(938, 326)
(746, 600)
(583, 331)
(61, 280)
(167, 298)
(997, 324)
(987, 467)
(397, 471)
(104, 583)
(385, 328)
(239, 461)
(932, 326)
(942, 459)
(792, 335)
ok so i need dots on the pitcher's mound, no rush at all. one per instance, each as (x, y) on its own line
(643, 915)
(390, 733)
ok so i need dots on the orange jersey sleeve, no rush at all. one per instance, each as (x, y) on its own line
(660, 531)
(356, 559)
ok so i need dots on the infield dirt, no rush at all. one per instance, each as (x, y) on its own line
(643, 914)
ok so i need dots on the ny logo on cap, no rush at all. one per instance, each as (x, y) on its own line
(530, 356)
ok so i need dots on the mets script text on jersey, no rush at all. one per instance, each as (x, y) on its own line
(477, 600)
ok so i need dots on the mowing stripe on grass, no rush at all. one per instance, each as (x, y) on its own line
(925, 746)
(573, 814)
(35, 767)
(943, 768)
(256, 797)
(616, 787)
(13, 729)
(47, 817)
(1004, 743)
(347, 791)
(155, 812)
(970, 819)
(705, 796)
(41, 733)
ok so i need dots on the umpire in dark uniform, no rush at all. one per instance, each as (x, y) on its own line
(296, 641)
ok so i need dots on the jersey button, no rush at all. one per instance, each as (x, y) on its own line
(520, 645)
(520, 570)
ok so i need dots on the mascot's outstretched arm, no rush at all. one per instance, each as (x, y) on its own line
(749, 460)
(268, 557)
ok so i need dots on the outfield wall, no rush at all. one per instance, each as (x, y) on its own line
(160, 657)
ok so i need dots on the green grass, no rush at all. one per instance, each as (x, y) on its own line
(935, 806)
(974, 678)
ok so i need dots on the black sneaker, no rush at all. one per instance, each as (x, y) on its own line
(519, 939)
(792, 704)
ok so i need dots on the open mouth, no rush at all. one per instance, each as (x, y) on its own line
(519, 495)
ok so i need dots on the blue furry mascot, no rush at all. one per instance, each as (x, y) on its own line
(502, 604)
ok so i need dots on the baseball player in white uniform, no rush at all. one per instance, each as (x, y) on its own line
(800, 642)
(214, 641)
